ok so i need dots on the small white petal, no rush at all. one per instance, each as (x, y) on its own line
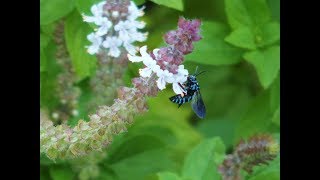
(130, 48)
(134, 58)
(139, 36)
(156, 68)
(182, 71)
(88, 19)
(93, 49)
(101, 4)
(124, 36)
(169, 77)
(155, 53)
(143, 51)
(161, 83)
(145, 72)
(114, 51)
(177, 89)
(105, 26)
(102, 31)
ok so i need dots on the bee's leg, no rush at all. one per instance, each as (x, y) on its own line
(179, 105)
(182, 87)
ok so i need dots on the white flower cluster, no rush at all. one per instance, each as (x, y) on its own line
(164, 76)
(112, 37)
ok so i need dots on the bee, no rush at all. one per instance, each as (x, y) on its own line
(192, 93)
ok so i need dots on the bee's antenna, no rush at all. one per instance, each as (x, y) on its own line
(199, 73)
(196, 70)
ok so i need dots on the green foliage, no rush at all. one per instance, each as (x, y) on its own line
(168, 176)
(83, 63)
(143, 164)
(247, 12)
(48, 80)
(203, 160)
(212, 49)
(269, 34)
(266, 63)
(242, 37)
(275, 8)
(139, 2)
(44, 40)
(258, 118)
(175, 4)
(52, 10)
(61, 172)
(85, 6)
(270, 171)
(240, 53)
(275, 100)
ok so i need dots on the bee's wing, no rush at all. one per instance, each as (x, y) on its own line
(198, 105)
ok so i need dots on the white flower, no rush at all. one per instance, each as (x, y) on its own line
(124, 28)
(164, 76)
(97, 11)
(105, 25)
(113, 43)
(124, 33)
(179, 78)
(130, 48)
(134, 12)
(96, 42)
(147, 60)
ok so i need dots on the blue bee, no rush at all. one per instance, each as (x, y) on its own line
(192, 92)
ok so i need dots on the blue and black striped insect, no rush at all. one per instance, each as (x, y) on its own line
(192, 93)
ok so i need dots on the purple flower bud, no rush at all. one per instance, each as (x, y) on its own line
(182, 38)
(171, 37)
(191, 27)
(173, 69)
(117, 5)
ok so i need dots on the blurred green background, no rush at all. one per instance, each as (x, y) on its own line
(240, 53)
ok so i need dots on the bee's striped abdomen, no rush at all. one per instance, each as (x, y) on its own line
(178, 99)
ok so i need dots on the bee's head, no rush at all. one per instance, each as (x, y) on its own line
(192, 78)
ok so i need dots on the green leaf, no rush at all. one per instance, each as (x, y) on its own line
(143, 164)
(139, 2)
(270, 171)
(48, 78)
(44, 41)
(76, 33)
(85, 6)
(247, 12)
(224, 128)
(242, 37)
(212, 49)
(269, 34)
(61, 172)
(131, 146)
(43, 61)
(266, 63)
(257, 119)
(275, 94)
(48, 29)
(175, 4)
(202, 162)
(168, 176)
(275, 100)
(52, 10)
(275, 8)
(276, 117)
